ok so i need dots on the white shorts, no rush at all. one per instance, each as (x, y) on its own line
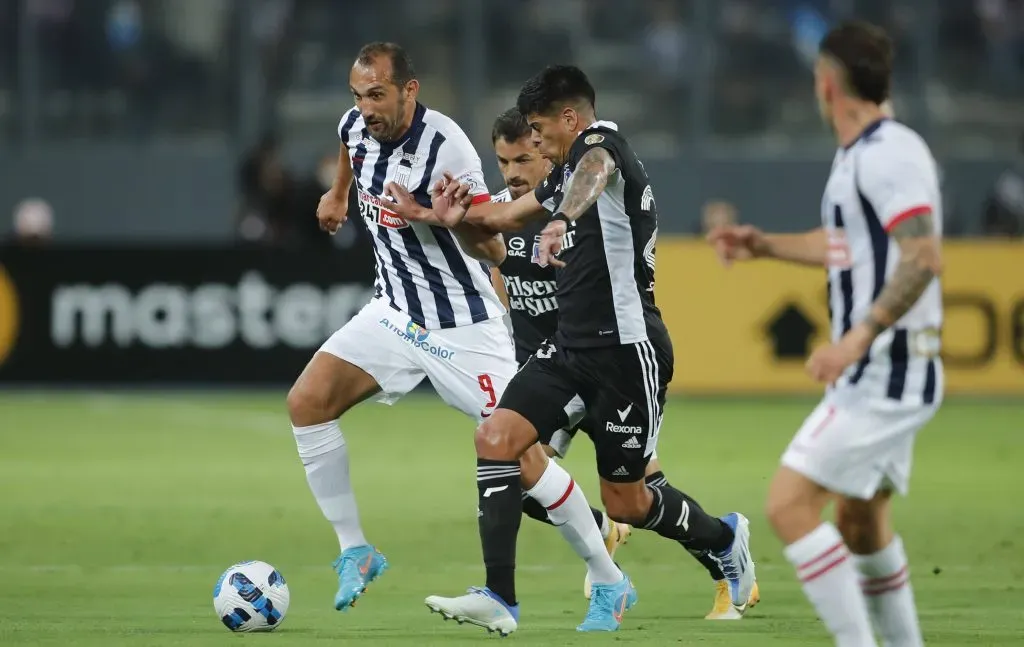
(469, 366)
(857, 450)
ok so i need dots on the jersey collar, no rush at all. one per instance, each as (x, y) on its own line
(417, 124)
(868, 131)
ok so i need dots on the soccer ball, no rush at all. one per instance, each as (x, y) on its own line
(251, 596)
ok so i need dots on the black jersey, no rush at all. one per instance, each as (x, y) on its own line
(533, 306)
(606, 289)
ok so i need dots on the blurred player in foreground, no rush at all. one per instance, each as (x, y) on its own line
(611, 349)
(533, 308)
(435, 313)
(880, 240)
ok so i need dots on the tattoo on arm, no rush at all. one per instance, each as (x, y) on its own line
(587, 182)
(920, 262)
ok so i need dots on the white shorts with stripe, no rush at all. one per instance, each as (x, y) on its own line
(858, 447)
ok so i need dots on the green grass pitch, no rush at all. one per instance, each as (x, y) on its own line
(119, 512)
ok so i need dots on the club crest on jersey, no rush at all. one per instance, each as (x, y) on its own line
(535, 256)
(566, 175)
(839, 255)
(378, 211)
(590, 140)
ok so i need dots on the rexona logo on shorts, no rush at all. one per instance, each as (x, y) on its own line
(418, 336)
(622, 429)
(207, 315)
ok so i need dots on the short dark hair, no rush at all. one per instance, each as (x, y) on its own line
(865, 53)
(402, 70)
(554, 86)
(511, 126)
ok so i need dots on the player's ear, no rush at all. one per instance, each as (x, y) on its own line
(412, 89)
(570, 118)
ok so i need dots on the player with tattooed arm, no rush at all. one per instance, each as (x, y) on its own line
(880, 241)
(611, 349)
(533, 308)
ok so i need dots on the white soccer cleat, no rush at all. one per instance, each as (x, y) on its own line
(478, 607)
(618, 534)
(736, 563)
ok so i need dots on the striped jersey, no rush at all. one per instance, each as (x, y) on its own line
(421, 270)
(883, 178)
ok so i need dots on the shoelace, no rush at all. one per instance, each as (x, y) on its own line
(602, 602)
(730, 568)
(343, 562)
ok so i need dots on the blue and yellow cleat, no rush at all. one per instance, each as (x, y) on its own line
(356, 568)
(737, 564)
(608, 602)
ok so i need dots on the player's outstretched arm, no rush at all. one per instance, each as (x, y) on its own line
(745, 242)
(332, 211)
(506, 216)
(587, 182)
(920, 262)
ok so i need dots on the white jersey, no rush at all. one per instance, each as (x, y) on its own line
(421, 270)
(886, 176)
(502, 196)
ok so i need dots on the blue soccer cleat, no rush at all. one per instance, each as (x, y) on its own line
(737, 565)
(608, 602)
(356, 568)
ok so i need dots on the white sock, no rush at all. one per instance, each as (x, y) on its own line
(885, 581)
(831, 583)
(606, 525)
(568, 509)
(325, 457)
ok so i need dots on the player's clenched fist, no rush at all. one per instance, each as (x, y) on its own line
(332, 212)
(737, 243)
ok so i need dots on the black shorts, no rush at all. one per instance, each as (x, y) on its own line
(623, 388)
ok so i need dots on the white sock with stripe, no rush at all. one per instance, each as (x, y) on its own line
(325, 457)
(831, 583)
(885, 580)
(568, 510)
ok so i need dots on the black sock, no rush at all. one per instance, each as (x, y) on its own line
(673, 517)
(534, 510)
(500, 512)
(703, 556)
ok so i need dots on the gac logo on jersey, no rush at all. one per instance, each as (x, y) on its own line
(378, 211)
(9, 316)
(517, 247)
(839, 255)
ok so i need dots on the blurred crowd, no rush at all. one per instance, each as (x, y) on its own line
(738, 70)
(143, 66)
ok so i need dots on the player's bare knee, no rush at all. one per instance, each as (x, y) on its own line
(311, 404)
(626, 502)
(493, 441)
(862, 525)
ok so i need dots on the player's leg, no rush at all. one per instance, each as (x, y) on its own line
(817, 552)
(722, 608)
(353, 365)
(882, 563)
(502, 440)
(835, 451)
(628, 410)
(548, 484)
